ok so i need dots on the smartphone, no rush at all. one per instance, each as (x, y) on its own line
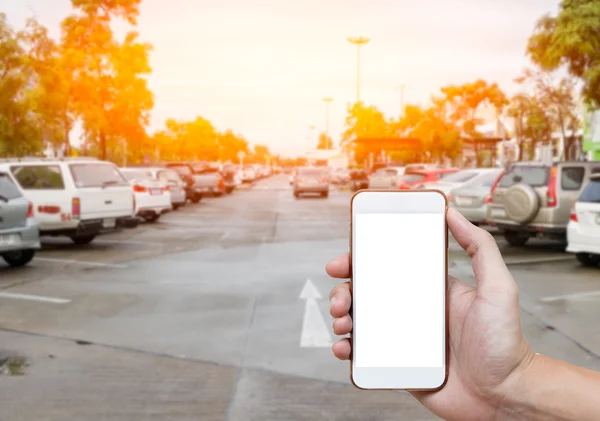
(399, 249)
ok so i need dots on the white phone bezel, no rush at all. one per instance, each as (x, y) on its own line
(403, 378)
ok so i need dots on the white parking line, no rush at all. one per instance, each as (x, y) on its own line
(141, 243)
(570, 296)
(79, 262)
(40, 298)
(535, 260)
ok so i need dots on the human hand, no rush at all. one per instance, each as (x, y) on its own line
(488, 352)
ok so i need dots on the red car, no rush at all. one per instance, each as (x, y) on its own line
(415, 178)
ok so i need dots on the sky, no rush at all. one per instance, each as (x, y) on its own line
(262, 67)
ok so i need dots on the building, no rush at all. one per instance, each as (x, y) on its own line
(591, 135)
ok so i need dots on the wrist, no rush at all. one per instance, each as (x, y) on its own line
(515, 394)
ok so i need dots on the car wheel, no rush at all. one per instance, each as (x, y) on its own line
(229, 190)
(296, 195)
(18, 258)
(175, 206)
(515, 238)
(150, 218)
(587, 259)
(325, 195)
(196, 199)
(83, 239)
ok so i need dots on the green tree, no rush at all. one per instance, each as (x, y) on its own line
(113, 99)
(20, 127)
(54, 95)
(533, 123)
(558, 97)
(325, 142)
(571, 39)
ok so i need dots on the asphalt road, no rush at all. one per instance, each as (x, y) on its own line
(219, 312)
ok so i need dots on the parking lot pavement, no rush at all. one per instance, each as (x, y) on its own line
(224, 306)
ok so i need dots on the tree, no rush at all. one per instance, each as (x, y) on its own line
(557, 96)
(230, 145)
(533, 123)
(325, 142)
(571, 39)
(20, 127)
(53, 84)
(463, 102)
(113, 99)
(261, 154)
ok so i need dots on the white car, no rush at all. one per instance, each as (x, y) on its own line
(583, 231)
(152, 196)
(249, 174)
(171, 178)
(386, 178)
(79, 198)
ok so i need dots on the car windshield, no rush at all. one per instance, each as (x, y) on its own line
(459, 177)
(137, 175)
(181, 169)
(8, 189)
(311, 172)
(591, 192)
(413, 177)
(533, 175)
(97, 175)
(486, 180)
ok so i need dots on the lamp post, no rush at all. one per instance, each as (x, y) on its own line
(359, 42)
(327, 104)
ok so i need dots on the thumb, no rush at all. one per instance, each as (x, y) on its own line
(491, 273)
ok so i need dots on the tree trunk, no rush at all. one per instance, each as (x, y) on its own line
(67, 135)
(102, 145)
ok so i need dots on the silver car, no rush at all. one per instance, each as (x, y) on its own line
(311, 180)
(471, 198)
(19, 232)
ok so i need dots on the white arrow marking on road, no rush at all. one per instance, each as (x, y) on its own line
(315, 333)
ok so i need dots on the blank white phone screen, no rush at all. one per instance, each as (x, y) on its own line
(399, 285)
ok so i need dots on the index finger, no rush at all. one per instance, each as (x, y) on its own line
(339, 267)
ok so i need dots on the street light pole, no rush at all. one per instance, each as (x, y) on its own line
(327, 104)
(359, 42)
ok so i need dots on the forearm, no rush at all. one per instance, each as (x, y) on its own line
(552, 390)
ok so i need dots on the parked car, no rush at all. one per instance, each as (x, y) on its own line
(152, 196)
(535, 199)
(471, 198)
(386, 178)
(583, 231)
(311, 180)
(414, 178)
(208, 180)
(75, 197)
(19, 232)
(231, 177)
(249, 174)
(454, 180)
(177, 187)
(192, 188)
(359, 180)
(340, 176)
(420, 167)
